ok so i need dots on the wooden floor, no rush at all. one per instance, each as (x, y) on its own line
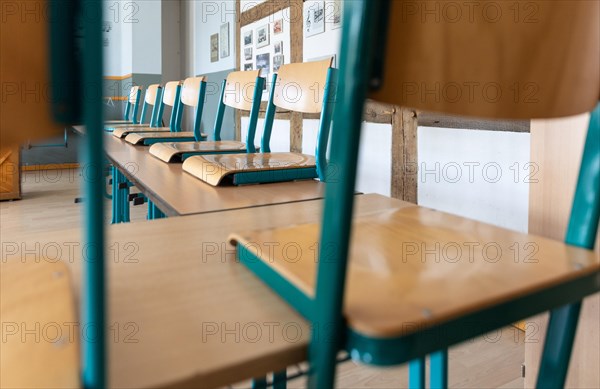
(491, 361)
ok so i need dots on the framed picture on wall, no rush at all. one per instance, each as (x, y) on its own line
(214, 47)
(314, 18)
(278, 26)
(248, 66)
(263, 62)
(336, 17)
(248, 53)
(277, 62)
(262, 36)
(278, 47)
(224, 41)
(248, 37)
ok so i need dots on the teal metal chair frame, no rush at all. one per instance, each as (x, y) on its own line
(362, 53)
(254, 112)
(153, 122)
(262, 177)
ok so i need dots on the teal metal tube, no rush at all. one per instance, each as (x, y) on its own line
(127, 110)
(438, 362)
(581, 232)
(136, 106)
(359, 31)
(280, 380)
(199, 112)
(93, 317)
(144, 111)
(220, 113)
(265, 144)
(416, 374)
(256, 100)
(156, 108)
(177, 112)
(259, 383)
(325, 123)
(161, 110)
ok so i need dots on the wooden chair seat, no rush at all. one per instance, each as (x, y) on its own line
(414, 269)
(117, 122)
(174, 152)
(112, 127)
(214, 169)
(148, 138)
(124, 131)
(39, 350)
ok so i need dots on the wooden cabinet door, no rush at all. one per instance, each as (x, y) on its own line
(10, 182)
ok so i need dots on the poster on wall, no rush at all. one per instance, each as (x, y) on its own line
(337, 14)
(248, 66)
(278, 27)
(224, 42)
(262, 36)
(214, 47)
(314, 18)
(277, 62)
(278, 47)
(248, 37)
(248, 53)
(263, 62)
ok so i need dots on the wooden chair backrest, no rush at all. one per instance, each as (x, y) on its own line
(239, 89)
(191, 90)
(301, 86)
(170, 92)
(151, 92)
(542, 62)
(133, 94)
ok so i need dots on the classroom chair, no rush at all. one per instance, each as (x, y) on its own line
(170, 96)
(192, 95)
(131, 108)
(152, 98)
(373, 290)
(240, 90)
(301, 87)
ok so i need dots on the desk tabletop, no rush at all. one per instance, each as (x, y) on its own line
(177, 193)
(183, 311)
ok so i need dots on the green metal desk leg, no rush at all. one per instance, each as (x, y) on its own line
(280, 380)
(438, 378)
(115, 196)
(416, 374)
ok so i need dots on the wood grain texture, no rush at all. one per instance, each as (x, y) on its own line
(175, 302)
(122, 132)
(301, 86)
(172, 152)
(408, 260)
(170, 92)
(239, 89)
(10, 177)
(25, 60)
(215, 168)
(454, 65)
(556, 148)
(39, 350)
(178, 193)
(139, 137)
(191, 90)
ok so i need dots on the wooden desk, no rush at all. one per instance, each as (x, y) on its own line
(183, 312)
(178, 193)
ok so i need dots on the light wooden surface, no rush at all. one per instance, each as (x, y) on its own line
(301, 86)
(138, 138)
(170, 92)
(10, 173)
(556, 148)
(167, 298)
(393, 279)
(39, 348)
(178, 193)
(491, 361)
(133, 94)
(239, 89)
(25, 61)
(172, 152)
(191, 90)
(122, 132)
(484, 66)
(214, 168)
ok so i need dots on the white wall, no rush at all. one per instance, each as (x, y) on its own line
(146, 36)
(209, 16)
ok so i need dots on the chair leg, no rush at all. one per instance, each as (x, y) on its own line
(416, 374)
(438, 378)
(259, 383)
(558, 345)
(280, 380)
(115, 206)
